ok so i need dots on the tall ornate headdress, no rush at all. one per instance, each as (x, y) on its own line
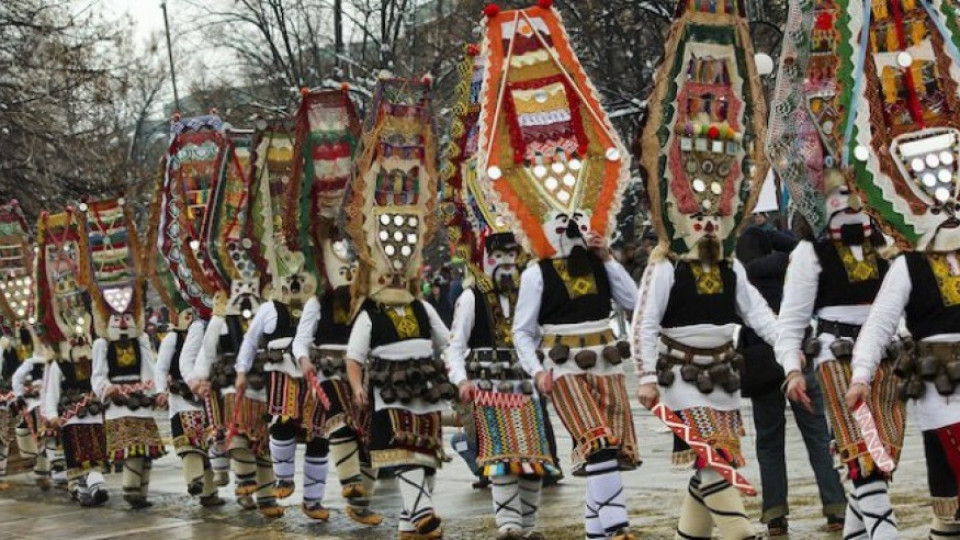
(902, 137)
(283, 267)
(702, 146)
(391, 207)
(16, 265)
(192, 168)
(545, 144)
(108, 262)
(62, 312)
(327, 133)
(805, 141)
(226, 241)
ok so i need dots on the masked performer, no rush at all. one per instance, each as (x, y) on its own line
(836, 270)
(701, 152)
(551, 163)
(187, 415)
(395, 337)
(902, 150)
(123, 363)
(63, 324)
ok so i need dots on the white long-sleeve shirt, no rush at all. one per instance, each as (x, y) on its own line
(655, 289)
(100, 377)
(20, 383)
(526, 327)
(464, 318)
(192, 343)
(307, 328)
(265, 322)
(358, 350)
(799, 299)
(933, 410)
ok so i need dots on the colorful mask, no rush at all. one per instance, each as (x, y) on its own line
(545, 145)
(392, 201)
(193, 166)
(282, 267)
(63, 321)
(16, 265)
(108, 268)
(705, 127)
(227, 232)
(903, 142)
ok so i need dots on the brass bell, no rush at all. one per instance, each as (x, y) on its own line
(894, 350)
(496, 370)
(505, 387)
(415, 376)
(585, 359)
(944, 385)
(429, 370)
(485, 385)
(903, 390)
(812, 348)
(732, 384)
(623, 347)
(439, 366)
(447, 391)
(953, 370)
(665, 377)
(663, 363)
(738, 362)
(842, 349)
(916, 388)
(147, 401)
(379, 376)
(473, 367)
(119, 401)
(704, 382)
(906, 365)
(404, 395)
(719, 373)
(929, 367)
(231, 371)
(388, 395)
(689, 372)
(431, 395)
(133, 402)
(526, 387)
(65, 402)
(94, 409)
(398, 376)
(559, 354)
(612, 355)
(256, 381)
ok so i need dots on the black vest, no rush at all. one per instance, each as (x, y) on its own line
(559, 306)
(121, 365)
(385, 332)
(286, 325)
(230, 342)
(487, 316)
(174, 371)
(11, 361)
(835, 287)
(74, 380)
(329, 331)
(927, 314)
(687, 306)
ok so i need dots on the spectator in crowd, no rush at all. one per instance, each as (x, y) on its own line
(764, 252)
(440, 301)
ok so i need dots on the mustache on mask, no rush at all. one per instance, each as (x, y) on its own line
(341, 295)
(578, 263)
(852, 234)
(505, 277)
(708, 250)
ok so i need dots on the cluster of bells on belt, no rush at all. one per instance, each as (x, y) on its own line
(330, 366)
(587, 358)
(94, 408)
(181, 389)
(723, 373)
(405, 380)
(133, 401)
(915, 371)
(511, 376)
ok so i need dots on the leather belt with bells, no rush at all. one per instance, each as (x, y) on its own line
(579, 341)
(938, 363)
(839, 329)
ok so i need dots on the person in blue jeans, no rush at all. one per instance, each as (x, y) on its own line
(765, 255)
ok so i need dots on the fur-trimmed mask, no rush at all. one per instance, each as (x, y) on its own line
(500, 257)
(121, 326)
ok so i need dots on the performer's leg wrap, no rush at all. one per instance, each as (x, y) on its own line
(193, 466)
(605, 488)
(265, 479)
(695, 521)
(283, 449)
(530, 489)
(315, 467)
(145, 477)
(506, 502)
(591, 519)
(245, 469)
(345, 453)
(874, 504)
(26, 443)
(132, 474)
(941, 529)
(4, 456)
(417, 502)
(725, 506)
(209, 482)
(853, 527)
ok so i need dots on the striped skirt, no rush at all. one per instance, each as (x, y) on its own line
(511, 435)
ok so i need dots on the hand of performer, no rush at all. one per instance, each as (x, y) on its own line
(307, 368)
(857, 392)
(360, 397)
(545, 382)
(110, 391)
(797, 390)
(648, 394)
(56, 422)
(599, 245)
(467, 391)
(161, 400)
(241, 383)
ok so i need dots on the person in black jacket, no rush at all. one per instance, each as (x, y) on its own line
(765, 254)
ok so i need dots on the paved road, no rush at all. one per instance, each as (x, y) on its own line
(653, 494)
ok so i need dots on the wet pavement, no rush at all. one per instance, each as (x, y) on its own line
(653, 494)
